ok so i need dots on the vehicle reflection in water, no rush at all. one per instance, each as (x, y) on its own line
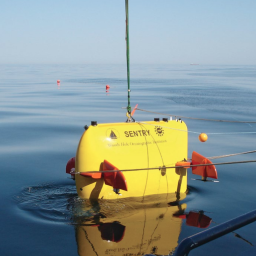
(134, 228)
(195, 219)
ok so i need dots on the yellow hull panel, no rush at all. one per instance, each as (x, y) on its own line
(139, 145)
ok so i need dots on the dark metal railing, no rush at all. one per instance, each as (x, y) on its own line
(208, 235)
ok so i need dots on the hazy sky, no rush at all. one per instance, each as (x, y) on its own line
(161, 31)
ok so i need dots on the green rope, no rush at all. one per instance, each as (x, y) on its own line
(128, 55)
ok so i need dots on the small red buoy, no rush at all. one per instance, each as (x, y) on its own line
(203, 137)
(58, 81)
(107, 87)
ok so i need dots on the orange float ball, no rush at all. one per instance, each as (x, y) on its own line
(203, 137)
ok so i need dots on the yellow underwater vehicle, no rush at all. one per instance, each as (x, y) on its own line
(135, 159)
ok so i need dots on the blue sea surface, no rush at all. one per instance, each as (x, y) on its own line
(42, 122)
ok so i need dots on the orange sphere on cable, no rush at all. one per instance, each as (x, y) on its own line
(203, 137)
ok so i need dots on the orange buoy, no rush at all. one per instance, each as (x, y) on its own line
(107, 87)
(58, 81)
(203, 137)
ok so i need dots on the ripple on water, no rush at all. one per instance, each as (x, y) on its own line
(54, 202)
(60, 203)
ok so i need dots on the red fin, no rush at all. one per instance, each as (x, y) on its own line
(198, 219)
(198, 159)
(70, 164)
(70, 167)
(114, 179)
(204, 171)
(211, 169)
(109, 177)
(120, 181)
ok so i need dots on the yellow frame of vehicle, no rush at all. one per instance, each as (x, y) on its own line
(128, 146)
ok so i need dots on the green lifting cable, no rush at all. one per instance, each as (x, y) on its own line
(128, 56)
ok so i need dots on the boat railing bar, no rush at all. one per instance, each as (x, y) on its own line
(208, 235)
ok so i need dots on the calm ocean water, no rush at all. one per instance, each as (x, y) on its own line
(41, 124)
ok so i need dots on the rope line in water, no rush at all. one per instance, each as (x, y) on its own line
(235, 154)
(225, 133)
(167, 167)
(194, 118)
(211, 133)
(167, 127)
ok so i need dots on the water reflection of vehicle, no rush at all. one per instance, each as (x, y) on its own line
(132, 231)
(149, 230)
